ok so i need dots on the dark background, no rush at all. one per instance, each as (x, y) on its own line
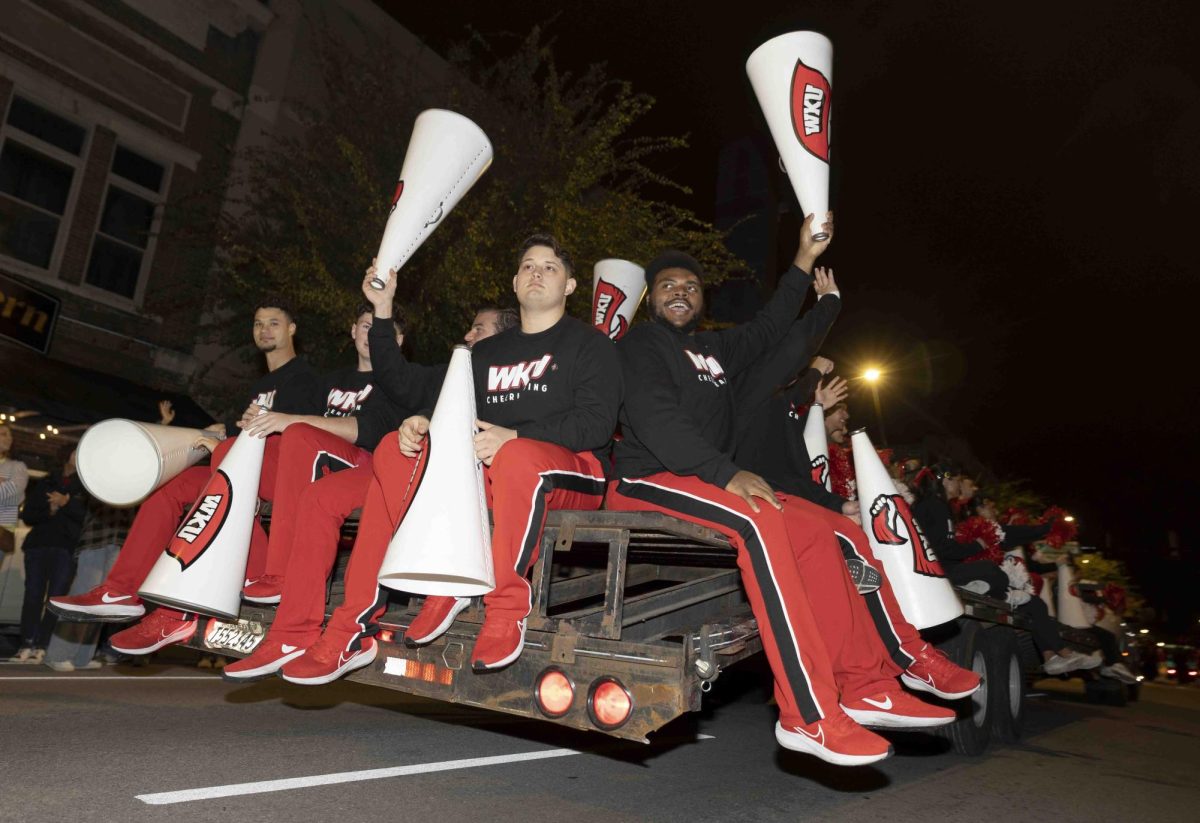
(1016, 188)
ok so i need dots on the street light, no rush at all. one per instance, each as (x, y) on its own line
(1069, 519)
(872, 375)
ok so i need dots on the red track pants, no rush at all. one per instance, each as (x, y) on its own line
(899, 637)
(792, 570)
(527, 478)
(158, 518)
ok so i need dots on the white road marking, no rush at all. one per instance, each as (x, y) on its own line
(289, 783)
(235, 789)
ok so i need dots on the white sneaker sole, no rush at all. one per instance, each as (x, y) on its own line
(178, 636)
(889, 720)
(363, 658)
(259, 672)
(96, 614)
(801, 743)
(264, 600)
(922, 686)
(460, 605)
(480, 666)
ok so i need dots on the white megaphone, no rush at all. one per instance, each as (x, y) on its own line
(618, 287)
(120, 462)
(1070, 607)
(446, 154)
(817, 445)
(443, 545)
(791, 75)
(925, 595)
(203, 568)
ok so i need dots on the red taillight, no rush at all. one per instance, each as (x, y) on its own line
(554, 693)
(609, 703)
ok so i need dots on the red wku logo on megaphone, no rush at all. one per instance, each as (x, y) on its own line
(811, 98)
(203, 522)
(820, 469)
(887, 513)
(605, 302)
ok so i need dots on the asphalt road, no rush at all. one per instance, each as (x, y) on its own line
(176, 743)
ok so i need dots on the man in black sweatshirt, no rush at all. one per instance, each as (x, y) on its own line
(400, 389)
(546, 393)
(676, 457)
(290, 385)
(770, 443)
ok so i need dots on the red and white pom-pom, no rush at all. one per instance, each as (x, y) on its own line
(841, 472)
(986, 531)
(1060, 530)
(1015, 517)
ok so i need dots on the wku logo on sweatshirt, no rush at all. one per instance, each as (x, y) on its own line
(345, 402)
(517, 376)
(709, 370)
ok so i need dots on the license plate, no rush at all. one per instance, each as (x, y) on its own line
(241, 636)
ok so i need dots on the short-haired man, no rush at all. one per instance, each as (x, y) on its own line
(547, 394)
(14, 478)
(324, 505)
(676, 457)
(290, 385)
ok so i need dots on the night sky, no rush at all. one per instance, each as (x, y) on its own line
(1016, 186)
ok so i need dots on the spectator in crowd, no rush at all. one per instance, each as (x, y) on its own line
(936, 486)
(13, 479)
(55, 509)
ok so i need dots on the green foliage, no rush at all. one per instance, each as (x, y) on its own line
(565, 162)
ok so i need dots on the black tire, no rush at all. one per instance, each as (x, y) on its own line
(972, 732)
(1008, 686)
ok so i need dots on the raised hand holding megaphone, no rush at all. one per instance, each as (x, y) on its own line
(792, 79)
(925, 595)
(203, 568)
(446, 154)
(120, 462)
(443, 545)
(618, 287)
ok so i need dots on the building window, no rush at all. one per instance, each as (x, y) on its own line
(40, 154)
(122, 247)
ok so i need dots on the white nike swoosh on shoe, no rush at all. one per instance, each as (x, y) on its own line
(288, 649)
(107, 599)
(247, 583)
(884, 704)
(926, 679)
(819, 736)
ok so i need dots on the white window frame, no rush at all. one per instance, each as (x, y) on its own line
(78, 164)
(158, 198)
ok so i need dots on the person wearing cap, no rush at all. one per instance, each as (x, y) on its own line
(675, 457)
(546, 394)
(770, 421)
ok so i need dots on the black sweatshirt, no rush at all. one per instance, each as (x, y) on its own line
(293, 388)
(60, 530)
(770, 429)
(679, 405)
(346, 390)
(402, 388)
(561, 385)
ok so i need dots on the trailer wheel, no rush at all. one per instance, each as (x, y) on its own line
(1008, 685)
(972, 731)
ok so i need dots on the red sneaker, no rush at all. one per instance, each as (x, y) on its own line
(499, 643)
(896, 709)
(267, 659)
(933, 672)
(267, 589)
(100, 605)
(161, 628)
(328, 659)
(836, 739)
(437, 614)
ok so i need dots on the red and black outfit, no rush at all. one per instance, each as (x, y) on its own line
(341, 474)
(293, 388)
(560, 390)
(676, 457)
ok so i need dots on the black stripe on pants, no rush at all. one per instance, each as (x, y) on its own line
(878, 612)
